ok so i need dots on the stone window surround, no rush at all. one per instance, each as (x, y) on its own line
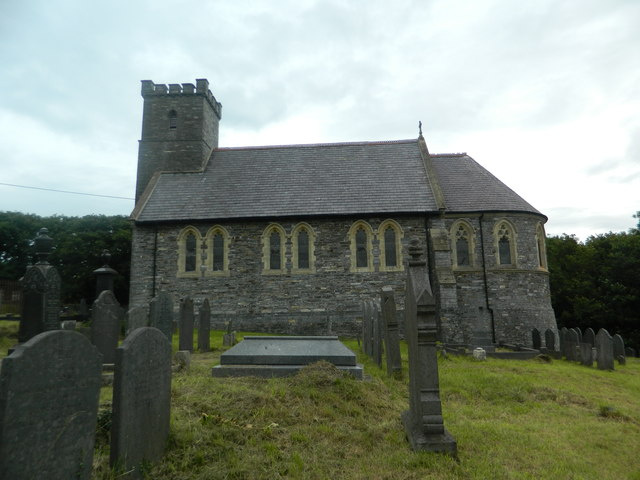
(389, 223)
(361, 225)
(266, 250)
(541, 237)
(210, 272)
(471, 238)
(182, 252)
(300, 227)
(499, 224)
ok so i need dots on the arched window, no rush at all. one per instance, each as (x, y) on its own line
(303, 249)
(505, 244)
(218, 251)
(273, 248)
(360, 237)
(542, 250)
(173, 120)
(189, 254)
(390, 235)
(462, 244)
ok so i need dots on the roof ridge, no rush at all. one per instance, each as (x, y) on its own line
(310, 145)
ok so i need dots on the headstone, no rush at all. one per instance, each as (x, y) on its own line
(49, 393)
(367, 328)
(550, 340)
(604, 344)
(186, 325)
(423, 421)
(204, 325)
(481, 334)
(589, 336)
(391, 337)
(536, 339)
(572, 344)
(562, 341)
(106, 316)
(377, 345)
(183, 359)
(141, 400)
(161, 313)
(68, 325)
(136, 318)
(479, 354)
(40, 293)
(229, 338)
(618, 348)
(586, 354)
(578, 334)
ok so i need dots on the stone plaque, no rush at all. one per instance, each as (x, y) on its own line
(204, 325)
(49, 391)
(186, 325)
(161, 313)
(106, 316)
(141, 399)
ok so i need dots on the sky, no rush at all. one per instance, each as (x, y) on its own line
(544, 94)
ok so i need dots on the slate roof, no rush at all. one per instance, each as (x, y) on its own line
(323, 179)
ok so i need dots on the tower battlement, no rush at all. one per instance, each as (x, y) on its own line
(201, 88)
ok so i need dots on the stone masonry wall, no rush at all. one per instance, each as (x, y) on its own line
(311, 303)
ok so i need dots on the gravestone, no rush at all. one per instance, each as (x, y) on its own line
(367, 327)
(204, 325)
(136, 318)
(141, 400)
(604, 345)
(479, 354)
(423, 421)
(481, 334)
(40, 293)
(571, 345)
(562, 341)
(229, 338)
(578, 333)
(536, 339)
(161, 313)
(550, 340)
(589, 336)
(106, 316)
(186, 320)
(49, 392)
(618, 349)
(586, 354)
(105, 275)
(377, 346)
(391, 337)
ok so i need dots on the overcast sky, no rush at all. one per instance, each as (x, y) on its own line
(544, 94)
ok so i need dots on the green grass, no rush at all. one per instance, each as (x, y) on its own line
(511, 419)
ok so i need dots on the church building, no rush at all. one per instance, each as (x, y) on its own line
(293, 238)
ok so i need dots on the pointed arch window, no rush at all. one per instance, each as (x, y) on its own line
(542, 250)
(218, 251)
(189, 252)
(360, 238)
(505, 244)
(303, 249)
(273, 249)
(173, 120)
(390, 235)
(462, 245)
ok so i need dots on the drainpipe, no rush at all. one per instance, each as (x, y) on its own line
(155, 255)
(486, 284)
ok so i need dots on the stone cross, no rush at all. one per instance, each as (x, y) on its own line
(204, 326)
(391, 337)
(423, 421)
(141, 400)
(41, 293)
(49, 392)
(186, 324)
(106, 317)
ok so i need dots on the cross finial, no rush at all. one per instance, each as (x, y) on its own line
(420, 127)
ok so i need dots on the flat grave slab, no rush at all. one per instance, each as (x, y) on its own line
(281, 356)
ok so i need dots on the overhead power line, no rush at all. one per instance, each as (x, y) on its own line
(66, 191)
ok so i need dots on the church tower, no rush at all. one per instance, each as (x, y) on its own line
(179, 129)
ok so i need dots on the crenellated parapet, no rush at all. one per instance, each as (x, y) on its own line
(150, 89)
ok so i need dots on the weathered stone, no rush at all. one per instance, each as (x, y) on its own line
(562, 343)
(49, 391)
(586, 354)
(618, 347)
(106, 317)
(377, 333)
(536, 339)
(204, 325)
(367, 328)
(479, 354)
(186, 324)
(137, 317)
(578, 334)
(141, 400)
(604, 344)
(281, 356)
(572, 343)
(550, 340)
(589, 337)
(183, 359)
(423, 421)
(40, 301)
(161, 313)
(68, 325)
(391, 337)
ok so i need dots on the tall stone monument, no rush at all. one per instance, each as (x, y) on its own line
(423, 421)
(41, 292)
(391, 337)
(204, 326)
(185, 341)
(106, 318)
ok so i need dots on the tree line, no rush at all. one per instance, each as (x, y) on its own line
(595, 283)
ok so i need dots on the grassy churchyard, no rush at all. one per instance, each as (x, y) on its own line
(511, 419)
